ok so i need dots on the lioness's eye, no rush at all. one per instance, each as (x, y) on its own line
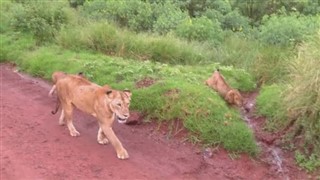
(119, 104)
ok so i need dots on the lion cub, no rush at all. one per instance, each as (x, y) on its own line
(101, 102)
(218, 83)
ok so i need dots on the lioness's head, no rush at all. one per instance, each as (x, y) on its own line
(119, 104)
(234, 97)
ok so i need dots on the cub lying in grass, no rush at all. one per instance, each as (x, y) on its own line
(218, 83)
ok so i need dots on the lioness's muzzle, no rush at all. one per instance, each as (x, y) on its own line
(121, 120)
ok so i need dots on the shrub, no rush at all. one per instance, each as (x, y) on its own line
(76, 3)
(5, 15)
(167, 17)
(235, 22)
(42, 19)
(134, 14)
(285, 30)
(200, 29)
(214, 15)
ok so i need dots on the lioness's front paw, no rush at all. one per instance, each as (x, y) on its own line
(123, 154)
(103, 141)
(74, 133)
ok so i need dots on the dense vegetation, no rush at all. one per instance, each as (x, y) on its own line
(178, 43)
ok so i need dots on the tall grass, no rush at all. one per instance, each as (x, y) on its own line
(270, 105)
(106, 38)
(302, 95)
(266, 63)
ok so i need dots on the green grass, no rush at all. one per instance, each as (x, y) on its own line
(106, 38)
(297, 103)
(14, 51)
(178, 93)
(270, 104)
(268, 64)
(310, 163)
(302, 94)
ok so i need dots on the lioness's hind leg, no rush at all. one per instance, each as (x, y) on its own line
(68, 117)
(101, 138)
(61, 119)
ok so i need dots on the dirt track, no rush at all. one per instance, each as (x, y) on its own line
(34, 146)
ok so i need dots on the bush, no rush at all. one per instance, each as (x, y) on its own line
(167, 17)
(42, 19)
(235, 22)
(134, 14)
(285, 30)
(5, 15)
(200, 29)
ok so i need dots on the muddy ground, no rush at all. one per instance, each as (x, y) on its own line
(34, 146)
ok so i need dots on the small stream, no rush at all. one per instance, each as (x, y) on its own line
(272, 154)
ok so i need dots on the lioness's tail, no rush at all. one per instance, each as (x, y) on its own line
(57, 107)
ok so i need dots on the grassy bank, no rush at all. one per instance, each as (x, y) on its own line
(178, 91)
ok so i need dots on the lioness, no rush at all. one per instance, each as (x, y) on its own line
(218, 83)
(103, 103)
(59, 75)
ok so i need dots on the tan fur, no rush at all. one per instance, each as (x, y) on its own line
(55, 77)
(218, 83)
(59, 75)
(103, 103)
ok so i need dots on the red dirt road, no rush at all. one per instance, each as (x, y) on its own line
(34, 146)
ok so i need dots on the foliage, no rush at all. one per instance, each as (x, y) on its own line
(302, 94)
(6, 13)
(235, 22)
(312, 7)
(200, 29)
(42, 19)
(76, 3)
(257, 9)
(288, 30)
(168, 17)
(134, 14)
(196, 8)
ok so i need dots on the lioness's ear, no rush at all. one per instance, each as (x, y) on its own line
(127, 92)
(230, 97)
(108, 92)
(81, 74)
